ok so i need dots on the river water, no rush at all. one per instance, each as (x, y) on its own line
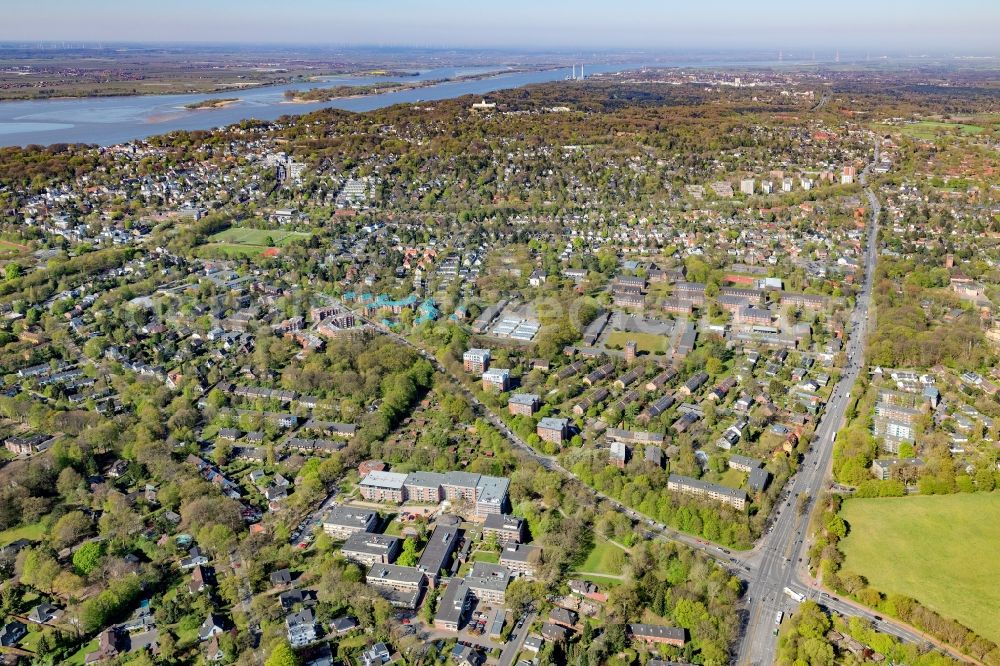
(110, 120)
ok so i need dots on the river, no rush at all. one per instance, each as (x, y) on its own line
(110, 120)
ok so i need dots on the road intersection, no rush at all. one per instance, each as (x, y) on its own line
(774, 564)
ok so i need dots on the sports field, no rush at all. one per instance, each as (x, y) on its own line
(644, 342)
(244, 236)
(241, 241)
(940, 550)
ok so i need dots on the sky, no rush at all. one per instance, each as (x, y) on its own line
(912, 26)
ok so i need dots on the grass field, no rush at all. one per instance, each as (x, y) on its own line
(241, 241)
(733, 478)
(940, 550)
(601, 559)
(33, 532)
(77, 658)
(644, 342)
(244, 236)
(602, 581)
(929, 129)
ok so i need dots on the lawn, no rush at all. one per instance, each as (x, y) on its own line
(33, 532)
(601, 581)
(601, 559)
(733, 478)
(644, 342)
(76, 659)
(487, 556)
(244, 242)
(929, 129)
(258, 237)
(940, 550)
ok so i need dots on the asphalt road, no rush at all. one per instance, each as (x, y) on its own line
(516, 640)
(773, 564)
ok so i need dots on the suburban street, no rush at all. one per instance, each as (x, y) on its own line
(774, 563)
(516, 640)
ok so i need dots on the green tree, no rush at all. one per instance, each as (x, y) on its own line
(88, 557)
(69, 529)
(408, 557)
(282, 655)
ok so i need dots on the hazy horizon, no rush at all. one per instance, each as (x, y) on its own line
(916, 27)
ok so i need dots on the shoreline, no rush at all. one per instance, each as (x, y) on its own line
(209, 104)
(417, 85)
(222, 88)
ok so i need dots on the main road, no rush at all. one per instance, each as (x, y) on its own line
(774, 561)
(772, 565)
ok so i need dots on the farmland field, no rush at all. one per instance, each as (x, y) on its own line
(940, 550)
(644, 342)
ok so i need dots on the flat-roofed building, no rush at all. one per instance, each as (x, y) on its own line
(440, 546)
(618, 454)
(522, 559)
(341, 522)
(491, 495)
(368, 548)
(402, 586)
(488, 582)
(684, 484)
(423, 487)
(506, 529)
(476, 360)
(451, 609)
(460, 486)
(383, 487)
(496, 379)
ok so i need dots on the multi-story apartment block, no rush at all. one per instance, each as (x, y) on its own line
(731, 496)
(476, 360)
